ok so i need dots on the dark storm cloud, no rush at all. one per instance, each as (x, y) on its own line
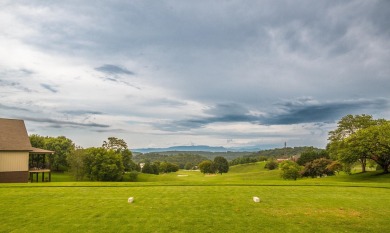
(6, 107)
(222, 113)
(110, 130)
(82, 112)
(26, 71)
(14, 84)
(6, 83)
(49, 88)
(288, 113)
(114, 70)
(296, 113)
(115, 74)
(60, 123)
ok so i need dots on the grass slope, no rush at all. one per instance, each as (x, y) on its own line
(189, 201)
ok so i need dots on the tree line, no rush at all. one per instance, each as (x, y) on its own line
(113, 161)
(106, 163)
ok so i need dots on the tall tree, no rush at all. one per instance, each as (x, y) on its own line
(347, 126)
(76, 163)
(150, 168)
(103, 165)
(62, 147)
(120, 146)
(374, 142)
(126, 160)
(207, 166)
(221, 164)
(115, 144)
(37, 141)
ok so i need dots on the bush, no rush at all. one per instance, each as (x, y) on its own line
(318, 167)
(131, 176)
(189, 166)
(335, 166)
(290, 170)
(271, 164)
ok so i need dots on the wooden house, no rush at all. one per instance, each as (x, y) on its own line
(17, 157)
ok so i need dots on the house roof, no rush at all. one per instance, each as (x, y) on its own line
(40, 151)
(13, 136)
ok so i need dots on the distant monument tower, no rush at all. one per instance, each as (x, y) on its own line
(285, 148)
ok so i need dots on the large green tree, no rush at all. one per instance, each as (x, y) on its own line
(103, 165)
(61, 146)
(115, 144)
(207, 166)
(76, 163)
(37, 141)
(120, 146)
(151, 168)
(346, 127)
(374, 142)
(221, 164)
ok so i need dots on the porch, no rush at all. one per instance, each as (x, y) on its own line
(39, 163)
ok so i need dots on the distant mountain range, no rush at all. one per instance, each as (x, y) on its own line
(199, 148)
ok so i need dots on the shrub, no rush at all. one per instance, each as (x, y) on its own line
(335, 166)
(290, 170)
(189, 166)
(271, 164)
(133, 176)
(318, 167)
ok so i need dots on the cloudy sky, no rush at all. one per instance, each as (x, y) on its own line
(219, 73)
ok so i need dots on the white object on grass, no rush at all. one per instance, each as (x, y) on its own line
(256, 199)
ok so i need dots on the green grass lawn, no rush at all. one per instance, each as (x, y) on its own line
(188, 201)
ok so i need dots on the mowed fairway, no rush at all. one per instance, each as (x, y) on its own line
(198, 205)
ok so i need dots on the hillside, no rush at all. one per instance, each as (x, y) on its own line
(199, 148)
(181, 159)
(283, 152)
(195, 157)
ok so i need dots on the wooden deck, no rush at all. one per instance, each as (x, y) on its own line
(37, 171)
